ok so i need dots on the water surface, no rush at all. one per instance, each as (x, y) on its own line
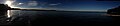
(57, 17)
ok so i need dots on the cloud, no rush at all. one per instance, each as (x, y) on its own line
(10, 2)
(55, 4)
(32, 3)
(2, 1)
(20, 3)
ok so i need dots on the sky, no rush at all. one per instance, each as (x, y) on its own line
(70, 5)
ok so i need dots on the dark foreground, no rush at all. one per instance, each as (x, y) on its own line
(31, 18)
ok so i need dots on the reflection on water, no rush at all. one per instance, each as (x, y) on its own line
(56, 17)
(53, 17)
(8, 13)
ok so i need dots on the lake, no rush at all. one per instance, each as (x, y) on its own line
(60, 17)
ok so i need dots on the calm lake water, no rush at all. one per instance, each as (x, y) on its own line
(57, 17)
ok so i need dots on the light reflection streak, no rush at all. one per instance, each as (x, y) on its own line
(111, 15)
(8, 14)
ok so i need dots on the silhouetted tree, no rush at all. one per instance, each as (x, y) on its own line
(114, 10)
